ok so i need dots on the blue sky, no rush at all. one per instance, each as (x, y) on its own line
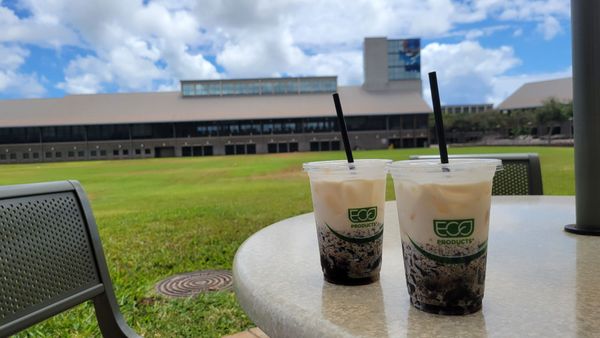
(482, 49)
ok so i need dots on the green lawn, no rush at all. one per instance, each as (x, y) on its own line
(159, 217)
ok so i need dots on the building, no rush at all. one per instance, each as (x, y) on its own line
(227, 117)
(467, 108)
(532, 95)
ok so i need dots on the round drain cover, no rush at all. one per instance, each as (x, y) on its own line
(193, 283)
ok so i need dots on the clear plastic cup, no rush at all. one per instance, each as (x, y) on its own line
(444, 213)
(348, 201)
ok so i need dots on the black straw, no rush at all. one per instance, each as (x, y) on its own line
(340, 115)
(437, 113)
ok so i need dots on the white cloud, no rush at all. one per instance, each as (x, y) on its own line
(11, 79)
(549, 27)
(466, 70)
(134, 45)
(518, 32)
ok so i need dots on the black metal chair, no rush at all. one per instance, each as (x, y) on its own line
(522, 174)
(51, 258)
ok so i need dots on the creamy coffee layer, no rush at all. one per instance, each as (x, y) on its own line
(444, 222)
(348, 205)
(450, 217)
(349, 216)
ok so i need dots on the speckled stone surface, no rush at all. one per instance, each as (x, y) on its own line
(541, 281)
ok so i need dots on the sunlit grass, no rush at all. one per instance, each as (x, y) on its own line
(159, 217)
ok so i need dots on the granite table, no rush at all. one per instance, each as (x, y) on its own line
(541, 281)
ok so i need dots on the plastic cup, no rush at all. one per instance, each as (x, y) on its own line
(444, 213)
(348, 201)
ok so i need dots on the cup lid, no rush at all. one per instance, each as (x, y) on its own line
(343, 165)
(453, 166)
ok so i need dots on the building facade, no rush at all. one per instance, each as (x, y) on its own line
(467, 108)
(226, 117)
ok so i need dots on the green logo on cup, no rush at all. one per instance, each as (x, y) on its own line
(454, 228)
(360, 215)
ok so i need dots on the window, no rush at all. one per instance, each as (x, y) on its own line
(70, 154)
(234, 128)
(197, 151)
(229, 149)
(366, 123)
(25, 156)
(314, 146)
(36, 155)
(240, 148)
(187, 89)
(63, 134)
(324, 145)
(48, 154)
(214, 89)
(395, 122)
(283, 147)
(108, 132)
(58, 154)
(404, 61)
(201, 89)
(272, 147)
(138, 151)
(335, 145)
(267, 128)
(116, 152)
(13, 156)
(81, 153)
(186, 151)
(93, 153)
(125, 151)
(151, 130)
(293, 147)
(251, 149)
(147, 151)
(259, 86)
(408, 122)
(2, 156)
(208, 150)
(320, 125)
(228, 88)
(249, 127)
(102, 152)
(422, 121)
(19, 135)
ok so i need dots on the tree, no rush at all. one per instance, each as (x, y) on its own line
(551, 113)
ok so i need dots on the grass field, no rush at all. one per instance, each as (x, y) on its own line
(159, 217)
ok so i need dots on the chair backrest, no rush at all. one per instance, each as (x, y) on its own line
(51, 258)
(521, 174)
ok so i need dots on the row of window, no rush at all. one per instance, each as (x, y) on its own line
(197, 151)
(283, 147)
(72, 154)
(259, 86)
(325, 145)
(204, 129)
(240, 149)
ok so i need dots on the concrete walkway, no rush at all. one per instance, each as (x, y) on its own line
(250, 333)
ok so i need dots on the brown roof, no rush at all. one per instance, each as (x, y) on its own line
(171, 107)
(533, 94)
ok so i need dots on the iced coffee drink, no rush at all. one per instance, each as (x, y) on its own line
(348, 201)
(444, 212)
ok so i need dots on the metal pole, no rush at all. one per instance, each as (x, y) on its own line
(585, 23)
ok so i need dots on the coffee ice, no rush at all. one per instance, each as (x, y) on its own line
(349, 212)
(444, 222)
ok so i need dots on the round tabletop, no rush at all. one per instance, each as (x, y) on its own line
(541, 281)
